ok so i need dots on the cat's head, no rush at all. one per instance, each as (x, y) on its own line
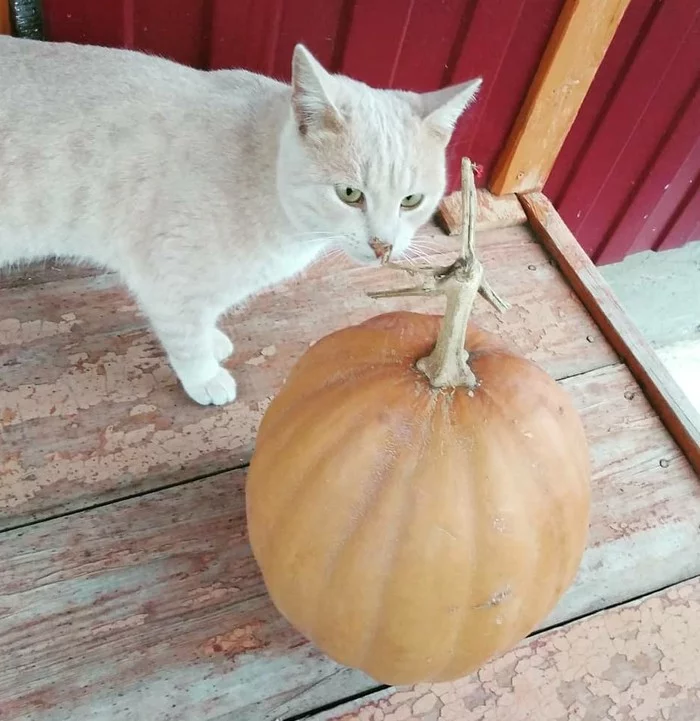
(361, 166)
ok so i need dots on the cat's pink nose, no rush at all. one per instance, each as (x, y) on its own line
(381, 250)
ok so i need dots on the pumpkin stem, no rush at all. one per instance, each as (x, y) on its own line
(447, 364)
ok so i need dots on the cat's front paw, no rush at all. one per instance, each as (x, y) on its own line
(221, 345)
(217, 391)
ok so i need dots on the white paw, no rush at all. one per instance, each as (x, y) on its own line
(221, 345)
(217, 391)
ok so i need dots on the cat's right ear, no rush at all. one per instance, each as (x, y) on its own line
(441, 108)
(311, 102)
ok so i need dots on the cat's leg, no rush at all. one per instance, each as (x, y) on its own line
(222, 344)
(194, 346)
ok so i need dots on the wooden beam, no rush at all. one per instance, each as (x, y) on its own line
(675, 410)
(4, 17)
(581, 36)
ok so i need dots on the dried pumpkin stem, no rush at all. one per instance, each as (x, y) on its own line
(447, 365)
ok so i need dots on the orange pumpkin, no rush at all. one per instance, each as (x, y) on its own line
(409, 531)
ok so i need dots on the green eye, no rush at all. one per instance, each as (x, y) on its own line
(412, 201)
(351, 196)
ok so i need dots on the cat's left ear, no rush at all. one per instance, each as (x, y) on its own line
(442, 108)
(311, 94)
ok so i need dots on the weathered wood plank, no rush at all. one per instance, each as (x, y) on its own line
(90, 411)
(492, 212)
(673, 407)
(155, 602)
(581, 36)
(637, 662)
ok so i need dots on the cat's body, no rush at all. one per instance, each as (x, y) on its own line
(200, 188)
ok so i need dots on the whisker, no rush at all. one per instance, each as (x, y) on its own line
(416, 253)
(426, 243)
(430, 249)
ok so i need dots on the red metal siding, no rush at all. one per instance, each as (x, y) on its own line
(627, 176)
(409, 44)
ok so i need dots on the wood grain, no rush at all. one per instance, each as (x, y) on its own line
(156, 603)
(492, 212)
(674, 409)
(90, 410)
(637, 662)
(574, 52)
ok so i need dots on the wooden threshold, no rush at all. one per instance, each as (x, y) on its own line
(669, 401)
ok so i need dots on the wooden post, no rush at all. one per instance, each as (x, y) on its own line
(4, 17)
(582, 34)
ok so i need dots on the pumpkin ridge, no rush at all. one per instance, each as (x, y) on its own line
(363, 517)
(474, 571)
(316, 396)
(498, 405)
(295, 502)
(536, 576)
(424, 438)
(499, 414)
(285, 405)
(279, 448)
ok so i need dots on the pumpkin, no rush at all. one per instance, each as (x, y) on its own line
(410, 528)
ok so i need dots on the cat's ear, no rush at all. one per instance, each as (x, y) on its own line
(311, 101)
(441, 108)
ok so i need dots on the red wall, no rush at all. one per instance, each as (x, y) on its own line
(628, 176)
(410, 44)
(636, 133)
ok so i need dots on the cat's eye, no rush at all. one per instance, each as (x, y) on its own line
(412, 201)
(351, 196)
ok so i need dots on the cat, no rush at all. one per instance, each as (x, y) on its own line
(202, 188)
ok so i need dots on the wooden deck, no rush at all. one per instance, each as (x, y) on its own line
(127, 588)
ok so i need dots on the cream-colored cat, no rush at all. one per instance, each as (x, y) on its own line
(203, 188)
